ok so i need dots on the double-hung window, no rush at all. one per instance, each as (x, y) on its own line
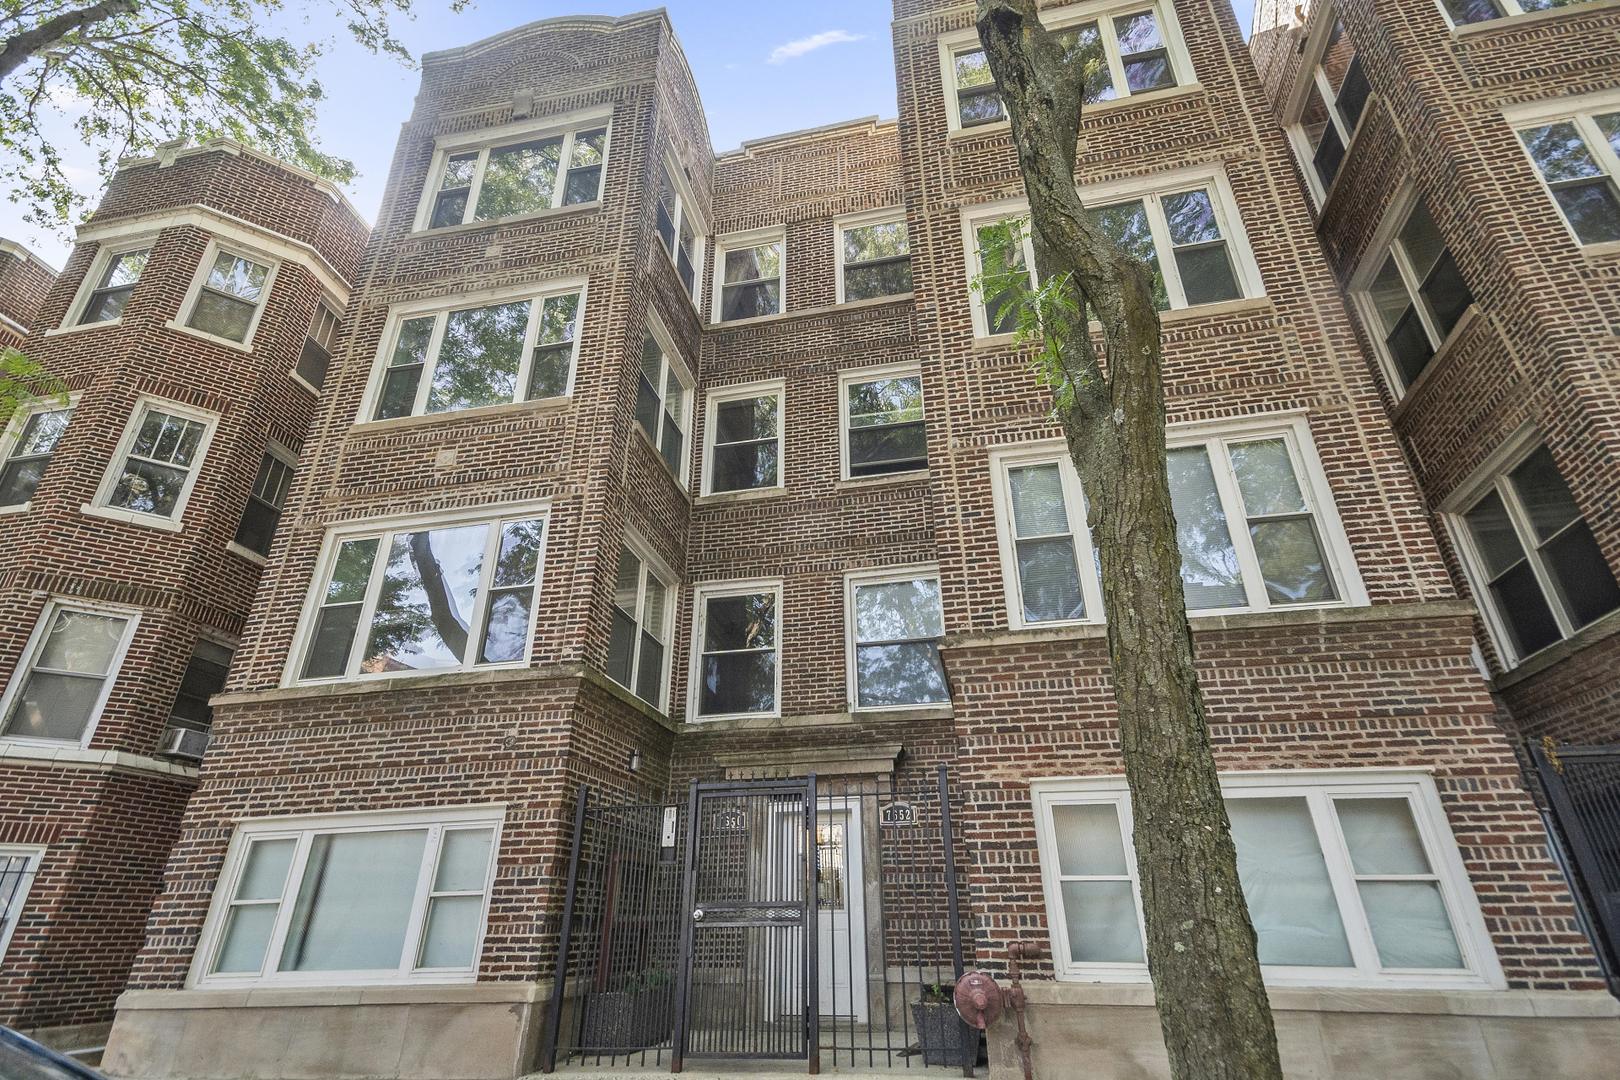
(18, 865)
(231, 296)
(1335, 97)
(997, 252)
(156, 465)
(663, 401)
(444, 595)
(1254, 519)
(353, 899)
(736, 668)
(521, 349)
(643, 613)
(262, 513)
(874, 257)
(680, 228)
(744, 445)
(525, 175)
(1577, 157)
(26, 448)
(319, 345)
(1351, 877)
(114, 285)
(1416, 297)
(749, 273)
(1530, 552)
(205, 676)
(1463, 12)
(882, 413)
(1132, 46)
(66, 672)
(895, 625)
(1185, 227)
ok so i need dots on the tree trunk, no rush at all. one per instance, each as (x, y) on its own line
(1201, 946)
(20, 47)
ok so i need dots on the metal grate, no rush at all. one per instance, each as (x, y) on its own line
(1583, 786)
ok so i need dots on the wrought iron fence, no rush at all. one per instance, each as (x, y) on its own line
(1583, 785)
(764, 917)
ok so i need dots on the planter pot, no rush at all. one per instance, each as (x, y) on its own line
(945, 1039)
(626, 1021)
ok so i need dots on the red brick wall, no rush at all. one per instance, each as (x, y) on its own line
(24, 281)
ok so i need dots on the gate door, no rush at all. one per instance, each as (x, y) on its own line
(748, 944)
(1583, 785)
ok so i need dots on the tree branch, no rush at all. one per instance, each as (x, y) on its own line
(20, 47)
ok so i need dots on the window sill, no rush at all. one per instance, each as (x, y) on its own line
(1518, 22)
(72, 755)
(243, 346)
(874, 301)
(856, 483)
(1605, 626)
(994, 127)
(263, 995)
(390, 683)
(760, 721)
(646, 441)
(17, 508)
(505, 222)
(299, 380)
(995, 342)
(247, 554)
(1210, 311)
(129, 517)
(1148, 97)
(804, 313)
(720, 498)
(1596, 252)
(81, 327)
(1437, 363)
(486, 412)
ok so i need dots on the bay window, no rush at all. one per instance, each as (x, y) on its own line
(231, 296)
(680, 229)
(1417, 296)
(257, 526)
(115, 281)
(26, 448)
(895, 625)
(1351, 878)
(522, 349)
(444, 595)
(643, 607)
(156, 465)
(352, 899)
(1335, 97)
(663, 401)
(523, 176)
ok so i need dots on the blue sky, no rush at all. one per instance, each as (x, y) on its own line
(762, 69)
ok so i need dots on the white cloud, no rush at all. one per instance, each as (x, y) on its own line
(783, 53)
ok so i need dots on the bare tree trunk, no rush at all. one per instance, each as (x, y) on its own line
(1201, 946)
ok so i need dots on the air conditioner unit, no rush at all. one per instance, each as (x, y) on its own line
(179, 742)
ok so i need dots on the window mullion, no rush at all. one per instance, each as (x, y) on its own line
(419, 902)
(1414, 293)
(1254, 586)
(531, 335)
(1532, 552)
(441, 324)
(638, 619)
(1341, 874)
(486, 584)
(1598, 143)
(368, 606)
(1112, 56)
(1074, 498)
(1166, 251)
(564, 157)
(1331, 100)
(476, 187)
(289, 900)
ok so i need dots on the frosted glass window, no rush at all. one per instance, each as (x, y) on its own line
(456, 904)
(1285, 880)
(898, 627)
(428, 599)
(1399, 890)
(253, 911)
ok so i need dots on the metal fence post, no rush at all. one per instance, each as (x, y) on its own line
(548, 1057)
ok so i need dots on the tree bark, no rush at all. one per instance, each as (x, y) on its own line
(19, 47)
(1201, 946)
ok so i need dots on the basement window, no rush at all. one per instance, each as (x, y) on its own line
(353, 899)
(1352, 879)
(523, 176)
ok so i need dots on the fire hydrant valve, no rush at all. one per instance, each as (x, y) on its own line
(979, 1000)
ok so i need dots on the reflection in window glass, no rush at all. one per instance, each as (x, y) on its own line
(753, 282)
(746, 444)
(519, 178)
(67, 676)
(898, 626)
(230, 296)
(877, 261)
(737, 670)
(886, 431)
(23, 462)
(117, 281)
(160, 464)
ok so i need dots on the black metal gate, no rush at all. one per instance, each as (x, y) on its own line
(763, 918)
(1583, 786)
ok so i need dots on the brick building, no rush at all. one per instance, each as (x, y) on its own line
(25, 278)
(136, 517)
(639, 466)
(1466, 201)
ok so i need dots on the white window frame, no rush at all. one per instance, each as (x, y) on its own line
(110, 248)
(492, 513)
(1578, 110)
(886, 215)
(36, 641)
(717, 396)
(109, 481)
(1150, 189)
(33, 855)
(1382, 246)
(274, 449)
(685, 204)
(883, 576)
(1292, 427)
(189, 305)
(11, 437)
(1309, 75)
(713, 590)
(673, 361)
(909, 369)
(1050, 452)
(1511, 10)
(773, 234)
(1492, 475)
(653, 566)
(1062, 18)
(440, 307)
(303, 829)
(1482, 970)
(486, 139)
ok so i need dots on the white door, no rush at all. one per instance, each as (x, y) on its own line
(841, 902)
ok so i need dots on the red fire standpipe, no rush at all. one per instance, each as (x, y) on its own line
(978, 1002)
(1014, 953)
